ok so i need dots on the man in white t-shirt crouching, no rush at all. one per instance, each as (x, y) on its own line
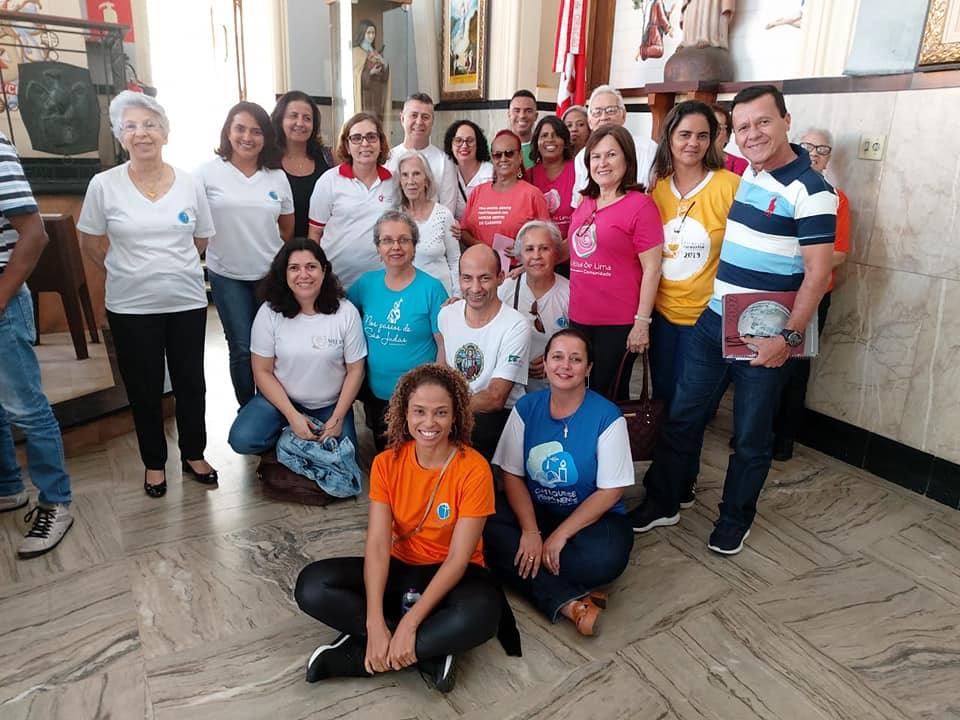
(488, 343)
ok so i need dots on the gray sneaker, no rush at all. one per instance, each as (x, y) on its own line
(50, 524)
(13, 502)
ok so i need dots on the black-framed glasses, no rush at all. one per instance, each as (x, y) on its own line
(497, 154)
(818, 149)
(537, 320)
(371, 138)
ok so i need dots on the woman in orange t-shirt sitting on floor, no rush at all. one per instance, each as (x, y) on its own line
(421, 593)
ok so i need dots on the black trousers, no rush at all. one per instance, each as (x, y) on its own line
(793, 399)
(375, 415)
(487, 428)
(142, 343)
(608, 343)
(332, 591)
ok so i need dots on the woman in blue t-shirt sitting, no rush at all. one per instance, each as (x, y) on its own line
(560, 530)
(399, 307)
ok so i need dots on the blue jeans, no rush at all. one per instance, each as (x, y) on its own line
(595, 556)
(237, 306)
(668, 346)
(23, 403)
(258, 425)
(704, 378)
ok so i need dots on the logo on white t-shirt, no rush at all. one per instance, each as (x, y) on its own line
(273, 195)
(184, 217)
(469, 361)
(685, 253)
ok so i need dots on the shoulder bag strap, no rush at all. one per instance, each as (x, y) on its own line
(433, 496)
(516, 292)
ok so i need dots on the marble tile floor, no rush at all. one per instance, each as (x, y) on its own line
(844, 604)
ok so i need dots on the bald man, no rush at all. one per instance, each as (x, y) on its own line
(488, 343)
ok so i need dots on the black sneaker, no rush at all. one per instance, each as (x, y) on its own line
(688, 498)
(782, 449)
(647, 517)
(343, 658)
(727, 539)
(440, 673)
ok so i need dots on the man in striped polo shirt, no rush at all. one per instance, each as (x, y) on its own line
(779, 236)
(22, 402)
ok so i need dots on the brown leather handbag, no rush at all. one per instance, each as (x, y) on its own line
(643, 415)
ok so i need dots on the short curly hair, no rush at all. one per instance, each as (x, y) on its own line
(398, 433)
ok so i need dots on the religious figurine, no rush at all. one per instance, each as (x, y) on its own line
(658, 24)
(371, 74)
(705, 22)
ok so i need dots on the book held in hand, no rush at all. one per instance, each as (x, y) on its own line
(762, 314)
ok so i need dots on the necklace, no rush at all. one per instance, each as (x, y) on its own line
(153, 190)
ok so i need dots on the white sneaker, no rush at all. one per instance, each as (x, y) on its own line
(13, 502)
(50, 524)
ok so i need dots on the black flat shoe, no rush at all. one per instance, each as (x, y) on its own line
(154, 491)
(209, 478)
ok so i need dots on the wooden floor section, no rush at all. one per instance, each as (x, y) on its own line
(844, 604)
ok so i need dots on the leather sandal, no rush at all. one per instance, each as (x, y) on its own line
(586, 616)
(599, 598)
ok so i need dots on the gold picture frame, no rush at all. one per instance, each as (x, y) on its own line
(940, 45)
(463, 61)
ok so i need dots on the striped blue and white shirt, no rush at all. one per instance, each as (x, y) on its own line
(773, 215)
(16, 198)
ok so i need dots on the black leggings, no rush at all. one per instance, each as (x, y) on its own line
(332, 591)
(608, 343)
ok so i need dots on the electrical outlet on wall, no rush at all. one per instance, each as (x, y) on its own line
(871, 147)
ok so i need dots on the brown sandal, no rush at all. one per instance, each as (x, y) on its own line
(599, 598)
(586, 616)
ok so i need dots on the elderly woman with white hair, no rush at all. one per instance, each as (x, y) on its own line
(539, 293)
(438, 252)
(145, 224)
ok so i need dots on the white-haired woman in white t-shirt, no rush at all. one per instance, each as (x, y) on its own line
(145, 224)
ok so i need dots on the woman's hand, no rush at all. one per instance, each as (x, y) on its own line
(303, 428)
(403, 652)
(456, 230)
(514, 273)
(639, 338)
(333, 427)
(529, 555)
(551, 551)
(536, 368)
(378, 646)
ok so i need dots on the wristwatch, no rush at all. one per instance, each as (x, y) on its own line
(794, 338)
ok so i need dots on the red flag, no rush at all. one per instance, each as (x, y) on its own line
(570, 54)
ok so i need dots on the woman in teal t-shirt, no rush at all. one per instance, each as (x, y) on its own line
(399, 306)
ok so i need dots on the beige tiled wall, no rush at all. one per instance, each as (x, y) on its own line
(890, 361)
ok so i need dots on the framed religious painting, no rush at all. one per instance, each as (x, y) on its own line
(464, 50)
(940, 45)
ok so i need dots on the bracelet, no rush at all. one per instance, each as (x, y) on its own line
(528, 532)
(646, 319)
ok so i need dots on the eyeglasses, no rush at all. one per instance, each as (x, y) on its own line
(458, 141)
(370, 138)
(609, 111)
(401, 241)
(537, 320)
(819, 149)
(147, 126)
(497, 154)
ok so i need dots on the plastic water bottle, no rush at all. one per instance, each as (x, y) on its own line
(408, 599)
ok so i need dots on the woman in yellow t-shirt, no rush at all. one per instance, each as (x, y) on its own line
(421, 594)
(693, 194)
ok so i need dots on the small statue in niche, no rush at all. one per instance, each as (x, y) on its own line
(371, 74)
(703, 54)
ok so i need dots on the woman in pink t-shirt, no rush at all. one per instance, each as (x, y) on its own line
(551, 153)
(615, 254)
(501, 207)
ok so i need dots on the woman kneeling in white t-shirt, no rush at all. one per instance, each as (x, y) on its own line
(307, 348)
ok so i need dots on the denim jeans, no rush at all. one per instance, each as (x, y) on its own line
(668, 346)
(595, 556)
(258, 425)
(237, 306)
(23, 403)
(704, 378)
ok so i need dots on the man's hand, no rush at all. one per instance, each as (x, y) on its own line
(772, 352)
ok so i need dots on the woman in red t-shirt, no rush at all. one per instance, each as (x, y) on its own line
(421, 594)
(501, 207)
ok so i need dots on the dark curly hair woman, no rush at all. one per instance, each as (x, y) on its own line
(308, 349)
(421, 594)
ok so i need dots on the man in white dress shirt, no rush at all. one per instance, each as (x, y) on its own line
(417, 121)
(607, 108)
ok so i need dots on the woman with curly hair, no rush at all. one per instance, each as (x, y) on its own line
(421, 594)
(308, 349)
